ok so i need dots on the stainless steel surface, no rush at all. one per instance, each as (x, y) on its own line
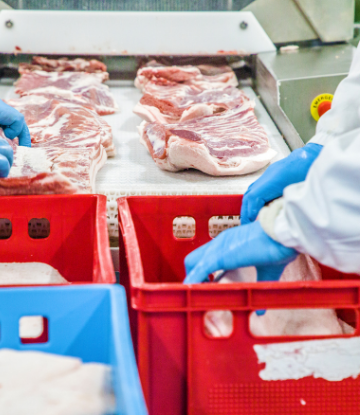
(282, 20)
(331, 19)
(131, 5)
(4, 6)
(287, 84)
(305, 20)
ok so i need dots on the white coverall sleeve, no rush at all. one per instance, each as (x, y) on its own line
(321, 216)
(344, 113)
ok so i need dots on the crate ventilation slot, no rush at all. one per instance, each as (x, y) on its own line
(39, 228)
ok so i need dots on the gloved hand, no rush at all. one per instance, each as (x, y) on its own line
(290, 170)
(6, 158)
(242, 246)
(13, 124)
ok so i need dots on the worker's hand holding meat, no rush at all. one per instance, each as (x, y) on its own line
(290, 170)
(13, 124)
(242, 246)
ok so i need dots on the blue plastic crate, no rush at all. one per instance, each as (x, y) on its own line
(89, 321)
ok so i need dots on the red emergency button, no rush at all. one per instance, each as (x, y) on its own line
(323, 107)
(320, 105)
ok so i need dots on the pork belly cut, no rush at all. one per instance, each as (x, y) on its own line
(182, 103)
(77, 87)
(207, 78)
(50, 170)
(59, 123)
(229, 143)
(40, 63)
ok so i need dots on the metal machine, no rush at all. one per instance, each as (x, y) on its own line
(291, 79)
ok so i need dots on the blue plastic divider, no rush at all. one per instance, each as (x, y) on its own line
(88, 321)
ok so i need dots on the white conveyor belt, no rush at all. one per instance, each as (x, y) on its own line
(133, 172)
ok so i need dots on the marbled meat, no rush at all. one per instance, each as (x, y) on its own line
(78, 87)
(59, 123)
(39, 63)
(230, 143)
(203, 77)
(51, 170)
(180, 103)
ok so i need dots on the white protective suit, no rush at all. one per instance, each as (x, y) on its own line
(321, 216)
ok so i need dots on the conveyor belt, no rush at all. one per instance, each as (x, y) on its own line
(133, 172)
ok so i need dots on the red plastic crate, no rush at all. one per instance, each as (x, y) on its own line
(183, 371)
(77, 245)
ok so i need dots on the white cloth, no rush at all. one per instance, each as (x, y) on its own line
(321, 216)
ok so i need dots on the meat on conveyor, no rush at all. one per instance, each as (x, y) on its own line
(51, 170)
(203, 77)
(232, 142)
(59, 123)
(180, 103)
(77, 87)
(39, 63)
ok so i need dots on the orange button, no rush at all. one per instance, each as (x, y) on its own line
(323, 107)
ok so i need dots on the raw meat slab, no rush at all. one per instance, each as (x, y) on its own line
(77, 87)
(51, 171)
(181, 103)
(63, 124)
(39, 63)
(203, 76)
(229, 143)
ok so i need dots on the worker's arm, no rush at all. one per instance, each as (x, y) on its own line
(321, 216)
(343, 117)
(13, 124)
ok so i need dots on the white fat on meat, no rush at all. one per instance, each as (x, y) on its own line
(39, 63)
(52, 171)
(230, 143)
(59, 123)
(183, 103)
(24, 273)
(85, 87)
(219, 77)
(53, 384)
(280, 322)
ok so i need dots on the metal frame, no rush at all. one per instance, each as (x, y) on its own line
(132, 33)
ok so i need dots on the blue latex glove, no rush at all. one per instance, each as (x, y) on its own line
(13, 124)
(6, 158)
(290, 170)
(242, 246)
